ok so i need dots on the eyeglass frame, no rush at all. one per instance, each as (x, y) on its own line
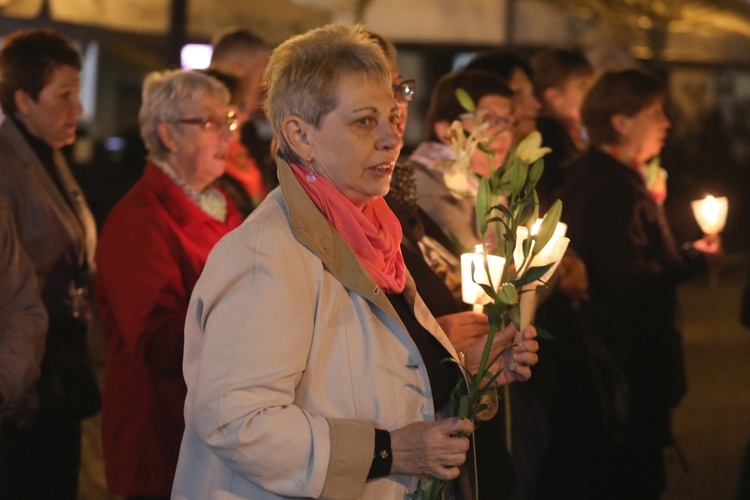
(405, 90)
(230, 122)
(494, 120)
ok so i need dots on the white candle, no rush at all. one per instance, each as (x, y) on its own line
(550, 254)
(471, 292)
(711, 214)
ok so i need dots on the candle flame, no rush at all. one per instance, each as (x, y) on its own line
(711, 209)
(710, 213)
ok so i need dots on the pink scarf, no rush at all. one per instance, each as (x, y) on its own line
(374, 232)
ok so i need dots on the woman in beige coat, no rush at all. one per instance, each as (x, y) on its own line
(313, 367)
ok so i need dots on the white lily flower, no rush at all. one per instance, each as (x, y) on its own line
(458, 184)
(529, 149)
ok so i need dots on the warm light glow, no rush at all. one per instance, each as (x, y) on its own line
(195, 56)
(551, 253)
(471, 292)
(711, 213)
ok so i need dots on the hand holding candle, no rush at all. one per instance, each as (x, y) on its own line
(711, 214)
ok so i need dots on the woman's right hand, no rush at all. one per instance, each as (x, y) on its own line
(433, 448)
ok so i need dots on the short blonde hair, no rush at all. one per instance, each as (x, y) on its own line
(303, 73)
(167, 96)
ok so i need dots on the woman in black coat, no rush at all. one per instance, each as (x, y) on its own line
(634, 267)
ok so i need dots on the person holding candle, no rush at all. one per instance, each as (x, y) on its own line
(447, 191)
(313, 367)
(433, 261)
(429, 254)
(634, 266)
(153, 247)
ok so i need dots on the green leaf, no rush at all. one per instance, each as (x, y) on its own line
(489, 290)
(495, 315)
(528, 207)
(508, 294)
(547, 228)
(533, 274)
(510, 246)
(535, 197)
(515, 316)
(500, 220)
(518, 176)
(504, 210)
(482, 206)
(536, 172)
(465, 100)
(526, 246)
(463, 407)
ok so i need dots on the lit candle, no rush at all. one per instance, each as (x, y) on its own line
(552, 253)
(471, 292)
(711, 214)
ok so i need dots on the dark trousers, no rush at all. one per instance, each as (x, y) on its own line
(743, 484)
(40, 463)
(628, 472)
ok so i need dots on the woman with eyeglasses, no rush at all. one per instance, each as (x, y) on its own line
(152, 249)
(433, 261)
(447, 193)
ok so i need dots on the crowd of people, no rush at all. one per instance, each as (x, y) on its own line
(277, 316)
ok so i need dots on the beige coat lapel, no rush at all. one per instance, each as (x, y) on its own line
(341, 260)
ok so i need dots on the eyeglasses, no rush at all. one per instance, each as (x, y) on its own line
(228, 122)
(404, 91)
(491, 119)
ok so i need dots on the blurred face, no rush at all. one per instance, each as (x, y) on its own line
(54, 115)
(357, 144)
(642, 135)
(201, 138)
(566, 101)
(525, 105)
(253, 83)
(396, 79)
(496, 111)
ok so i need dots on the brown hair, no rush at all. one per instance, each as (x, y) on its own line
(626, 92)
(444, 105)
(28, 60)
(554, 67)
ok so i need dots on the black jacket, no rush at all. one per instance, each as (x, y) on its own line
(634, 267)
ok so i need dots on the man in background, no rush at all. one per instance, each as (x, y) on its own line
(250, 173)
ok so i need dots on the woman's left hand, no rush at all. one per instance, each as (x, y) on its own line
(516, 363)
(464, 327)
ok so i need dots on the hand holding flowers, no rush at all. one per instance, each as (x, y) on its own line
(494, 359)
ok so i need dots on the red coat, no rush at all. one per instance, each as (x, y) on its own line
(152, 250)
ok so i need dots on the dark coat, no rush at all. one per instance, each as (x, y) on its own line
(634, 267)
(556, 137)
(58, 233)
